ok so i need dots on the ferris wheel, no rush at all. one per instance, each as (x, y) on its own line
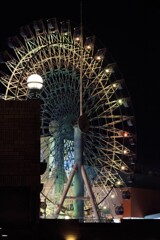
(88, 137)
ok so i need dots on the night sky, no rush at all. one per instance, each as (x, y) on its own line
(130, 31)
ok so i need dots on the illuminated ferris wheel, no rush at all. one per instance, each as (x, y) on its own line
(88, 134)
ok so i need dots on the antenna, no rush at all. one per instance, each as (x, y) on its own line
(81, 62)
(82, 121)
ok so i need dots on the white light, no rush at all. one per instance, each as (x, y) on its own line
(35, 81)
(77, 39)
(112, 196)
(116, 220)
(4, 235)
(120, 101)
(107, 70)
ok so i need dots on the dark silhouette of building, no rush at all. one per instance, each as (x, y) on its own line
(19, 164)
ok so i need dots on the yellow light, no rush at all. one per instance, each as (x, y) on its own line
(70, 237)
(118, 182)
(125, 151)
(88, 47)
(98, 58)
(122, 167)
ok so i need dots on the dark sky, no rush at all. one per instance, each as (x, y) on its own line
(130, 30)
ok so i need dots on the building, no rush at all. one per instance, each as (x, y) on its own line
(19, 163)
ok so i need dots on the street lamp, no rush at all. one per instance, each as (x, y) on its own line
(35, 83)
